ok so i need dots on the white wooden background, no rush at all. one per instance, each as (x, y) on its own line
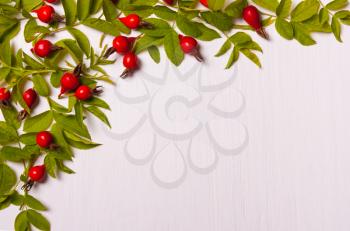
(289, 122)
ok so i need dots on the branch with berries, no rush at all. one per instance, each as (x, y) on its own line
(68, 74)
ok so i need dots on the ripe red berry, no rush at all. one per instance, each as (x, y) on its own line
(204, 3)
(121, 44)
(83, 93)
(69, 81)
(51, 1)
(130, 61)
(45, 13)
(4, 94)
(252, 16)
(169, 2)
(132, 21)
(188, 44)
(43, 48)
(37, 173)
(29, 97)
(44, 139)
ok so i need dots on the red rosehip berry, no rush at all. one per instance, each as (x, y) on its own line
(29, 97)
(46, 13)
(132, 21)
(37, 173)
(252, 16)
(83, 93)
(51, 1)
(188, 44)
(69, 81)
(43, 48)
(169, 2)
(44, 139)
(4, 94)
(121, 44)
(130, 61)
(204, 3)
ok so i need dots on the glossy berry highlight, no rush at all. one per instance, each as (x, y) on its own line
(204, 3)
(251, 15)
(69, 81)
(122, 44)
(46, 13)
(43, 48)
(83, 93)
(5, 94)
(132, 21)
(29, 97)
(44, 139)
(37, 173)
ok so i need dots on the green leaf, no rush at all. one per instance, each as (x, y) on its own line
(30, 5)
(57, 132)
(38, 220)
(50, 165)
(106, 27)
(233, 57)
(21, 222)
(267, 4)
(56, 106)
(160, 28)
(82, 40)
(235, 9)
(207, 34)
(164, 12)
(7, 133)
(109, 10)
(284, 28)
(38, 123)
(99, 114)
(216, 4)
(32, 30)
(28, 138)
(218, 19)
(250, 55)
(83, 9)
(305, 10)
(79, 142)
(224, 48)
(323, 16)
(13, 154)
(172, 48)
(154, 53)
(79, 113)
(187, 26)
(71, 46)
(145, 42)
(284, 8)
(70, 10)
(336, 28)
(34, 203)
(337, 4)
(10, 114)
(8, 179)
(302, 35)
(69, 123)
(95, 101)
(40, 85)
(55, 79)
